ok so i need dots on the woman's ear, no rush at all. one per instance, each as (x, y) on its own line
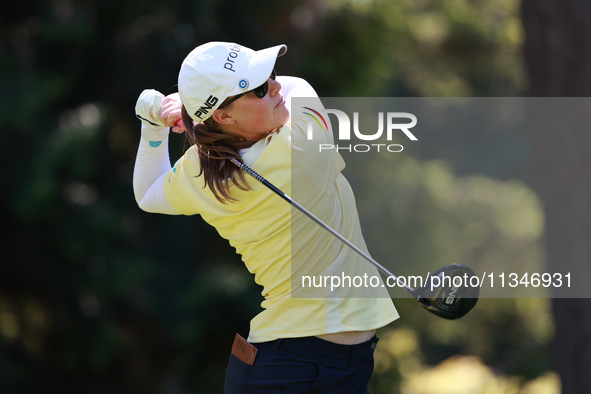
(222, 116)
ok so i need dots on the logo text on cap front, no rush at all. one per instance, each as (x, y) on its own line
(204, 109)
(234, 49)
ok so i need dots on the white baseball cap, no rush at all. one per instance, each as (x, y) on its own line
(215, 71)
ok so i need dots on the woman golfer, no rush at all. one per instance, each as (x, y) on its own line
(316, 330)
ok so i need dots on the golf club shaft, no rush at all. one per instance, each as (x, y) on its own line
(309, 214)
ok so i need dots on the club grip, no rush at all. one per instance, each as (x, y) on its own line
(248, 170)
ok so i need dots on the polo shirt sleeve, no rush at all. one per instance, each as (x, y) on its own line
(182, 185)
(311, 125)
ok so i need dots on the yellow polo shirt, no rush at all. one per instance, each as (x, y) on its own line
(283, 248)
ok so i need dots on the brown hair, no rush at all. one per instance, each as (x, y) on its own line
(215, 149)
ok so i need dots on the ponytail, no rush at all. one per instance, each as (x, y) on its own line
(215, 149)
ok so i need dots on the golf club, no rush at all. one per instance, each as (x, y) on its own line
(449, 302)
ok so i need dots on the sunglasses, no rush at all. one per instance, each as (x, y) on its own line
(260, 91)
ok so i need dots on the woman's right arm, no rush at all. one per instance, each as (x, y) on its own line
(158, 114)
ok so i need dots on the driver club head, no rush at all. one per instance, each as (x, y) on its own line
(448, 293)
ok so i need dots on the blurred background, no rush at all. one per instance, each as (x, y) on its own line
(97, 296)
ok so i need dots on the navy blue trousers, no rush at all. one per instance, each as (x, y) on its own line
(303, 365)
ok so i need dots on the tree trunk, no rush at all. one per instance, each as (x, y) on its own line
(557, 54)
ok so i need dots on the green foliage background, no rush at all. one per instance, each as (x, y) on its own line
(97, 296)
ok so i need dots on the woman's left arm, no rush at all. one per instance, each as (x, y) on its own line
(158, 114)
